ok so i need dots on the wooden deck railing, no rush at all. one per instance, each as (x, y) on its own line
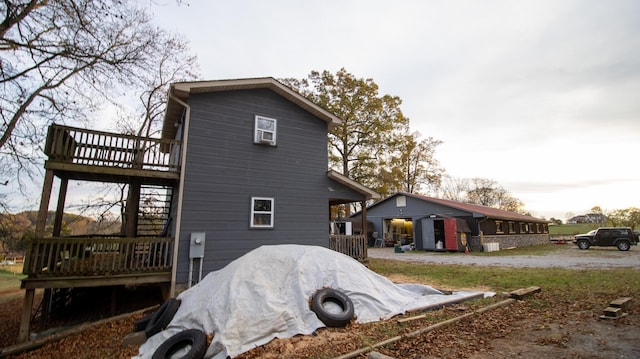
(96, 148)
(353, 246)
(97, 256)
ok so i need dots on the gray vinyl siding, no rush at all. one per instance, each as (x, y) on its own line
(225, 169)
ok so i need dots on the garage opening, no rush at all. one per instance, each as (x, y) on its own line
(398, 231)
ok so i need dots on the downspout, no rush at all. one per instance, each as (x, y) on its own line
(183, 163)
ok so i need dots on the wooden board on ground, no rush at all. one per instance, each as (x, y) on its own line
(622, 302)
(524, 292)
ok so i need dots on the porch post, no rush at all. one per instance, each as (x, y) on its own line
(365, 230)
(364, 219)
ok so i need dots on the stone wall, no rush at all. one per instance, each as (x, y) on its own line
(509, 240)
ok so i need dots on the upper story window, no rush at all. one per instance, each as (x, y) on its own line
(261, 212)
(265, 131)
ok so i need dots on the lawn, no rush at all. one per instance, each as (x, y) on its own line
(570, 299)
(10, 277)
(570, 284)
(572, 229)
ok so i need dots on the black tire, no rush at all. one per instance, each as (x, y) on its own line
(190, 337)
(623, 246)
(331, 318)
(162, 317)
(583, 244)
(141, 324)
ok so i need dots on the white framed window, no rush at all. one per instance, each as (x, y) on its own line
(262, 212)
(524, 228)
(265, 131)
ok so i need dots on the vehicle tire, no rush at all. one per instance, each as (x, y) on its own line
(623, 246)
(141, 324)
(162, 317)
(190, 337)
(332, 318)
(583, 244)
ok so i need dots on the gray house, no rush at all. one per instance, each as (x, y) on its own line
(240, 164)
(254, 170)
(438, 224)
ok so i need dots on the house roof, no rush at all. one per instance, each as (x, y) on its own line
(473, 208)
(180, 91)
(342, 179)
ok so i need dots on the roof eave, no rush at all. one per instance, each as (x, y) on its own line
(368, 192)
(182, 90)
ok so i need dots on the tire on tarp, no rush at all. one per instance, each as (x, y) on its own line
(190, 337)
(162, 317)
(330, 318)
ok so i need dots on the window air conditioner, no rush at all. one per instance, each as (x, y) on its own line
(265, 136)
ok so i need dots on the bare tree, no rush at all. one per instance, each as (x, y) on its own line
(173, 63)
(59, 60)
(482, 191)
(488, 192)
(453, 188)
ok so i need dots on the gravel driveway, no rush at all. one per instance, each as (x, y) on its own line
(567, 257)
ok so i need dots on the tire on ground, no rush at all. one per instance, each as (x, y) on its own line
(162, 317)
(623, 246)
(328, 317)
(583, 244)
(141, 324)
(191, 337)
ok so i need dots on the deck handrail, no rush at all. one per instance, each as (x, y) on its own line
(99, 148)
(355, 246)
(97, 256)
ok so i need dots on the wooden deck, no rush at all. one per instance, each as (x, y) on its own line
(103, 156)
(95, 261)
(355, 246)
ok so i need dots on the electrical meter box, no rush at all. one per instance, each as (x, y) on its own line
(196, 246)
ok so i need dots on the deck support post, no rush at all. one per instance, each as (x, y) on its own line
(132, 208)
(25, 323)
(47, 302)
(41, 223)
(62, 196)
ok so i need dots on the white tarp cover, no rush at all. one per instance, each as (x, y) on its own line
(265, 295)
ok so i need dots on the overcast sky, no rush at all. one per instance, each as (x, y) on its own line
(541, 96)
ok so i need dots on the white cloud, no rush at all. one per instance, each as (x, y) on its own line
(536, 95)
(541, 96)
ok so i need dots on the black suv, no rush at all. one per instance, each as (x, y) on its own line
(620, 237)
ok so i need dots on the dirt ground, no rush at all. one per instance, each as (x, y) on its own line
(542, 326)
